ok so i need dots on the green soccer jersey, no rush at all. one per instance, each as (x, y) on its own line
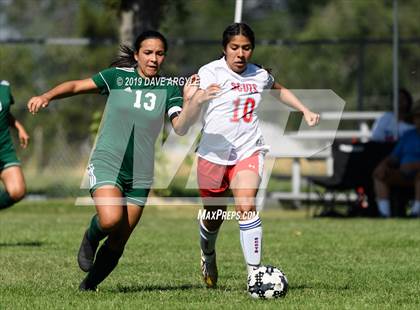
(6, 100)
(133, 118)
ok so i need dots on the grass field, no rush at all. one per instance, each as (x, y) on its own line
(330, 263)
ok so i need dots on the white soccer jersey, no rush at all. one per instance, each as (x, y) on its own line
(231, 132)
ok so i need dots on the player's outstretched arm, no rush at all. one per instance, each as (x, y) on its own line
(192, 108)
(22, 134)
(290, 99)
(63, 90)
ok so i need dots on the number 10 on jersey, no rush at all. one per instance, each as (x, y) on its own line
(246, 113)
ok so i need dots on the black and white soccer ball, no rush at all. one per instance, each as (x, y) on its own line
(267, 282)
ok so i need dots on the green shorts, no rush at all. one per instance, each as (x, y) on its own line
(8, 158)
(101, 173)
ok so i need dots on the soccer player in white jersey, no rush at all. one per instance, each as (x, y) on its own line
(231, 149)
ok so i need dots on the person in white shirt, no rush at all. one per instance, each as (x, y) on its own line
(231, 150)
(383, 129)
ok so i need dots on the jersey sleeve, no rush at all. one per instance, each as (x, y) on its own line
(207, 77)
(269, 82)
(377, 130)
(104, 80)
(382, 128)
(8, 91)
(174, 102)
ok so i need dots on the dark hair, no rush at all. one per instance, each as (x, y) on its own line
(126, 57)
(237, 29)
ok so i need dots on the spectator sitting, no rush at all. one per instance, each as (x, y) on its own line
(401, 168)
(384, 127)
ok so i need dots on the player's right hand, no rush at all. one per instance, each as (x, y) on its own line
(23, 138)
(36, 103)
(211, 92)
(311, 118)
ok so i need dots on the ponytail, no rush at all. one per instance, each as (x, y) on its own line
(125, 59)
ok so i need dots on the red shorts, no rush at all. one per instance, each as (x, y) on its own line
(214, 179)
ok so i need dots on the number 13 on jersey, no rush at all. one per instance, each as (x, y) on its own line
(244, 113)
(150, 102)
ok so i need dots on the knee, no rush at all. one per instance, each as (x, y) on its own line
(17, 193)
(245, 210)
(109, 223)
(245, 204)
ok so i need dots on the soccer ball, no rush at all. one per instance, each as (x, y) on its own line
(267, 282)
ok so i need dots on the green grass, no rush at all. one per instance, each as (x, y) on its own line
(330, 263)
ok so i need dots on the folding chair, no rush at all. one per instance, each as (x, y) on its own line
(353, 166)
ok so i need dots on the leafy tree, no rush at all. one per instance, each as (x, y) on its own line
(32, 69)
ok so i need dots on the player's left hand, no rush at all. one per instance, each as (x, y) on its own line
(311, 118)
(204, 95)
(23, 138)
(191, 86)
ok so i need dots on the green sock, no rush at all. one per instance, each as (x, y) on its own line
(5, 200)
(95, 232)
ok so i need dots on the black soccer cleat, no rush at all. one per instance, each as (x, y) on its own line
(209, 269)
(86, 253)
(85, 287)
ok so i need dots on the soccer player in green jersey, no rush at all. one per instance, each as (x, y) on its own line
(10, 172)
(121, 166)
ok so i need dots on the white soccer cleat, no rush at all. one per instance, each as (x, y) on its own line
(251, 268)
(209, 269)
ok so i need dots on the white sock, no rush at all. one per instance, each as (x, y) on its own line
(251, 241)
(207, 239)
(384, 207)
(415, 209)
